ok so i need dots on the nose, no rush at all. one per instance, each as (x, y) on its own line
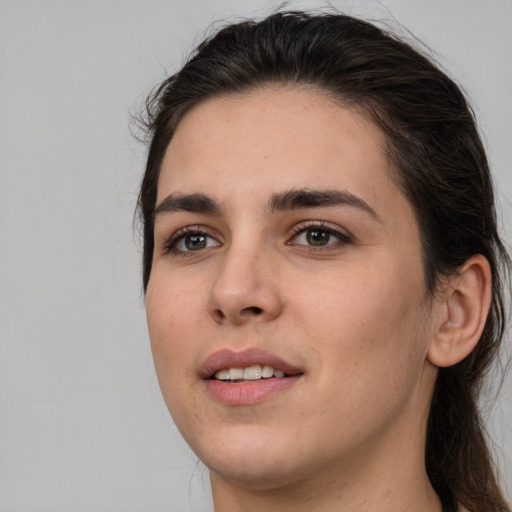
(245, 288)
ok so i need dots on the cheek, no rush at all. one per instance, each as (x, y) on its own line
(366, 324)
(171, 306)
(172, 322)
(371, 353)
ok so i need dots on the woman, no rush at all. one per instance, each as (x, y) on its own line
(322, 270)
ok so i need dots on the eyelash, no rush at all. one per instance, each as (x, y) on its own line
(170, 246)
(306, 226)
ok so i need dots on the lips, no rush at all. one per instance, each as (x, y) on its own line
(241, 392)
(226, 359)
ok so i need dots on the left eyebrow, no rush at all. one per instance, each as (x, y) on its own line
(298, 199)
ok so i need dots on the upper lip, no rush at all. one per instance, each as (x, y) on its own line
(227, 358)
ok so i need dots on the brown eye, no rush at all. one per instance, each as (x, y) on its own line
(188, 240)
(318, 237)
(195, 242)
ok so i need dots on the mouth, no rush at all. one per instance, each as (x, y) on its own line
(247, 377)
(246, 365)
(248, 374)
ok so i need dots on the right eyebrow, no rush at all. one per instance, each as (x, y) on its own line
(195, 203)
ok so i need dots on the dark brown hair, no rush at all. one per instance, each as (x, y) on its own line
(440, 165)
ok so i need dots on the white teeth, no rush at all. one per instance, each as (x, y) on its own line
(222, 375)
(267, 372)
(236, 373)
(254, 372)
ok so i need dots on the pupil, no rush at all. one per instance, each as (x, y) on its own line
(317, 236)
(193, 242)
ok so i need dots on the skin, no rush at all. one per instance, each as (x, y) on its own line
(352, 314)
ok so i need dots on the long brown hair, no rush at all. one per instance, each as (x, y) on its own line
(440, 165)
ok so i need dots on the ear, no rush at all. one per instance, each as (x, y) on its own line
(461, 310)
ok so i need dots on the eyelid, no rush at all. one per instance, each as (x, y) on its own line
(335, 230)
(169, 244)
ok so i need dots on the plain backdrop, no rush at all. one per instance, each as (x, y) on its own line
(83, 426)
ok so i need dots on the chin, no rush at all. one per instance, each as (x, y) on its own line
(253, 473)
(253, 460)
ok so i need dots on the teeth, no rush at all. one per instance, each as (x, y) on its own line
(236, 373)
(222, 375)
(267, 372)
(255, 372)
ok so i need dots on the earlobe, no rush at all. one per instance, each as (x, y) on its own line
(462, 307)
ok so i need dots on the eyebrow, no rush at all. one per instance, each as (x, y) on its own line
(295, 199)
(305, 198)
(194, 203)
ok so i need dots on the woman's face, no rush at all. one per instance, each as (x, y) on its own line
(282, 244)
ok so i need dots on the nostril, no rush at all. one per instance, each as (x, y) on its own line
(255, 310)
(220, 314)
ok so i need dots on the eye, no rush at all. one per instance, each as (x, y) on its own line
(318, 236)
(190, 239)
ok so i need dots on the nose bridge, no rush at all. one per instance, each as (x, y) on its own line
(244, 286)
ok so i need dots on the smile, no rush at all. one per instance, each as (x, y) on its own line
(247, 377)
(250, 373)
(248, 364)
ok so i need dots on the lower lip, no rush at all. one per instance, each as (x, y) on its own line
(247, 393)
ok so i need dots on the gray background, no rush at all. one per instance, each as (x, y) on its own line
(83, 426)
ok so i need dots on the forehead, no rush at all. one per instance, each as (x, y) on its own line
(262, 141)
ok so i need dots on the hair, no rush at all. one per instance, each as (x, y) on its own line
(439, 164)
